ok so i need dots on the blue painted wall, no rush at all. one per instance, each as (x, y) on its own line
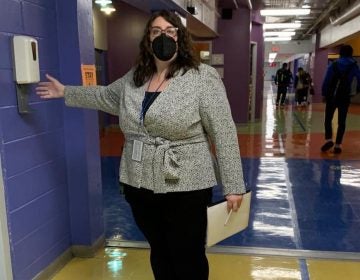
(42, 151)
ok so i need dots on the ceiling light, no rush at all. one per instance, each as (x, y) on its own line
(103, 2)
(271, 39)
(284, 12)
(306, 6)
(108, 9)
(280, 33)
(281, 25)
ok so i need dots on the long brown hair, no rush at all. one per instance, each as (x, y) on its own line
(185, 59)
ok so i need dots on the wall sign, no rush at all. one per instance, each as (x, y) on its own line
(88, 73)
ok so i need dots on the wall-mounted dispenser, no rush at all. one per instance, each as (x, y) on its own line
(26, 68)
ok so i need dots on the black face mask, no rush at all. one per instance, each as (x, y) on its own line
(164, 47)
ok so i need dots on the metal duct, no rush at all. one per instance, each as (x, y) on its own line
(322, 16)
(349, 14)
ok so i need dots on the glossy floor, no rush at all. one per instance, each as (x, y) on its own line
(305, 205)
(133, 264)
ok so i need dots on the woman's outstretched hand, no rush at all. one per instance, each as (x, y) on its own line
(51, 89)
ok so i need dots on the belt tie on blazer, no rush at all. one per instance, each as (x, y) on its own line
(166, 160)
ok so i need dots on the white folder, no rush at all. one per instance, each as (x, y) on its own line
(222, 224)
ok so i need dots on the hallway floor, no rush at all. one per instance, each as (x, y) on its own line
(305, 213)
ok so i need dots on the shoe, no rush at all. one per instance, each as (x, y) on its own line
(327, 146)
(337, 150)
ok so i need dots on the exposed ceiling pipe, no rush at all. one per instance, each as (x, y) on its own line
(347, 15)
(236, 4)
(249, 4)
(323, 15)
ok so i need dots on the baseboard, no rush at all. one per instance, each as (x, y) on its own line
(79, 251)
(55, 266)
(82, 251)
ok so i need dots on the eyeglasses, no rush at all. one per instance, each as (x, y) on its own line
(169, 31)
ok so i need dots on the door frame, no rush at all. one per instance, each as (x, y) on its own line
(5, 256)
(253, 71)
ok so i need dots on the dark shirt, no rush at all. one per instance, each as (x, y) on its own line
(149, 99)
(283, 77)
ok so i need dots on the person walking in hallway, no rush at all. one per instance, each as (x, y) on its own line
(301, 84)
(336, 92)
(170, 107)
(283, 78)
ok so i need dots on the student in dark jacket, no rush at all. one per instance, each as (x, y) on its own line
(282, 80)
(336, 92)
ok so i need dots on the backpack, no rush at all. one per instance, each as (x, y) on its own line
(339, 84)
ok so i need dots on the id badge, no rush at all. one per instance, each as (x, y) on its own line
(137, 150)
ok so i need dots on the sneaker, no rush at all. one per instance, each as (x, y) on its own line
(327, 146)
(337, 150)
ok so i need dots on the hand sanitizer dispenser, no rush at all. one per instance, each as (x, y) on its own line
(26, 60)
(26, 69)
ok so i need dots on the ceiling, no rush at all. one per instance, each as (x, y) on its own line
(321, 11)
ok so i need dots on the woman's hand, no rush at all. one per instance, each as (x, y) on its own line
(51, 89)
(234, 201)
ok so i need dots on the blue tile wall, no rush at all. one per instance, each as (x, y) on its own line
(43, 178)
(7, 88)
(45, 23)
(33, 146)
(10, 16)
(5, 50)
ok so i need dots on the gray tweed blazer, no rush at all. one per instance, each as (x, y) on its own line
(170, 151)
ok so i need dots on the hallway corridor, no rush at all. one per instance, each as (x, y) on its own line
(305, 213)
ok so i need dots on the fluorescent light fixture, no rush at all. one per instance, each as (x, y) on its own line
(272, 39)
(108, 9)
(281, 25)
(103, 2)
(279, 34)
(284, 12)
(306, 6)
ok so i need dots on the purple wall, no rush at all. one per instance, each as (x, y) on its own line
(125, 31)
(234, 43)
(39, 163)
(320, 66)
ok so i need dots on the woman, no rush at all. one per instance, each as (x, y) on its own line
(168, 107)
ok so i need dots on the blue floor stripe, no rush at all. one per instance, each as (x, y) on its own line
(304, 270)
(296, 204)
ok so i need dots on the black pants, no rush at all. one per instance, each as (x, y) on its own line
(281, 94)
(301, 95)
(342, 106)
(175, 226)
